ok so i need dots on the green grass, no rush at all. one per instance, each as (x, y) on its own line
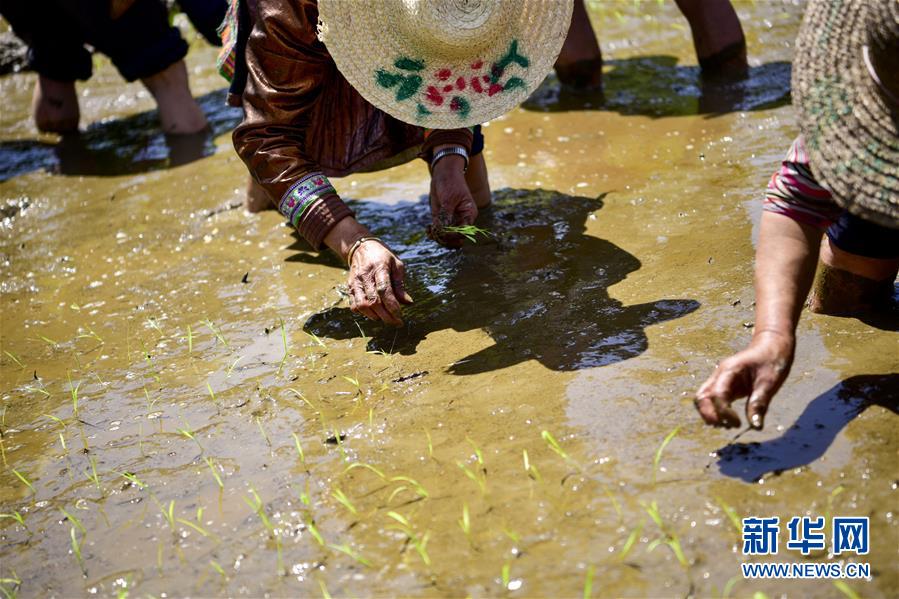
(24, 480)
(657, 460)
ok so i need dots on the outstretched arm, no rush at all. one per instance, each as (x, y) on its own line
(786, 258)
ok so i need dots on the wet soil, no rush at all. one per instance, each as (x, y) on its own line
(165, 355)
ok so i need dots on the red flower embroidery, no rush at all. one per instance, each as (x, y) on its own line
(460, 83)
(494, 89)
(434, 96)
(444, 74)
(476, 85)
(477, 65)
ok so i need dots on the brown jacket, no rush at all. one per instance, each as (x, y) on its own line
(301, 116)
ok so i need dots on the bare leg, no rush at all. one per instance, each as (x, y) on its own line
(478, 184)
(580, 62)
(257, 198)
(717, 36)
(849, 283)
(55, 106)
(178, 111)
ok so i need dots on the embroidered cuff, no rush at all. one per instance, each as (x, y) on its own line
(439, 137)
(302, 195)
(321, 217)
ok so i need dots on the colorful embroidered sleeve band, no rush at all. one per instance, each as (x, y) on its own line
(794, 192)
(302, 195)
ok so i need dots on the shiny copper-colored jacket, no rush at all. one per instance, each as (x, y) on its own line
(302, 116)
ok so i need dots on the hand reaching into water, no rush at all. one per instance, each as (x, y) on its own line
(376, 283)
(757, 372)
(451, 201)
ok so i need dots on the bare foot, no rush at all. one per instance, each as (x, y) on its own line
(178, 111)
(579, 65)
(257, 198)
(55, 106)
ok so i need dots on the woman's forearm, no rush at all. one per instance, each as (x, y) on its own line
(786, 259)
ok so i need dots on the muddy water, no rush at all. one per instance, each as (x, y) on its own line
(201, 345)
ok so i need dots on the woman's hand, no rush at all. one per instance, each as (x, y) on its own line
(757, 372)
(451, 200)
(376, 283)
(376, 280)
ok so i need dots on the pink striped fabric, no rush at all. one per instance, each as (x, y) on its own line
(794, 192)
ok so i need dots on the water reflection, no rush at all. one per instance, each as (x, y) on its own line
(656, 86)
(539, 288)
(814, 430)
(129, 145)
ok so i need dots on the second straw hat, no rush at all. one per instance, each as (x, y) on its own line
(444, 64)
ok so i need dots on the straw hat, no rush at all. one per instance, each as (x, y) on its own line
(444, 64)
(846, 89)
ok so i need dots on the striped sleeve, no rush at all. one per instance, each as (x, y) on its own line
(794, 192)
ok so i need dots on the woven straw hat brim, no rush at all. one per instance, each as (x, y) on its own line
(448, 90)
(850, 132)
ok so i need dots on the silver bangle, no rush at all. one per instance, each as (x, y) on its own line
(355, 246)
(452, 151)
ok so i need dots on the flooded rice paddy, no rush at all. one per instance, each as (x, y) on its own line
(189, 407)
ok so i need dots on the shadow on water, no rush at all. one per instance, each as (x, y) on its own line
(656, 86)
(814, 431)
(539, 287)
(125, 146)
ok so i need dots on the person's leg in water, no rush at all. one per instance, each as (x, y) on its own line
(717, 37)
(579, 65)
(858, 265)
(54, 105)
(143, 45)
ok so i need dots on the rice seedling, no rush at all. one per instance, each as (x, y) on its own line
(76, 549)
(92, 474)
(419, 543)
(131, 478)
(554, 445)
(75, 521)
(24, 480)
(506, 574)
(430, 444)
(150, 402)
(315, 338)
(341, 497)
(477, 452)
(190, 340)
(168, 513)
(729, 586)
(90, 335)
(299, 448)
(217, 332)
(417, 487)
(369, 467)
(588, 581)
(465, 521)
(262, 431)
(658, 457)
(258, 507)
(234, 363)
(15, 359)
(313, 530)
(215, 474)
(631, 539)
(14, 580)
(148, 358)
(221, 571)
(846, 589)
(48, 341)
(194, 525)
(325, 593)
(211, 393)
(477, 477)
(284, 342)
(15, 516)
(530, 468)
(73, 391)
(731, 514)
(669, 537)
(346, 549)
(185, 431)
(469, 232)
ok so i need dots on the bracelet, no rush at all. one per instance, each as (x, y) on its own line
(453, 151)
(355, 246)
